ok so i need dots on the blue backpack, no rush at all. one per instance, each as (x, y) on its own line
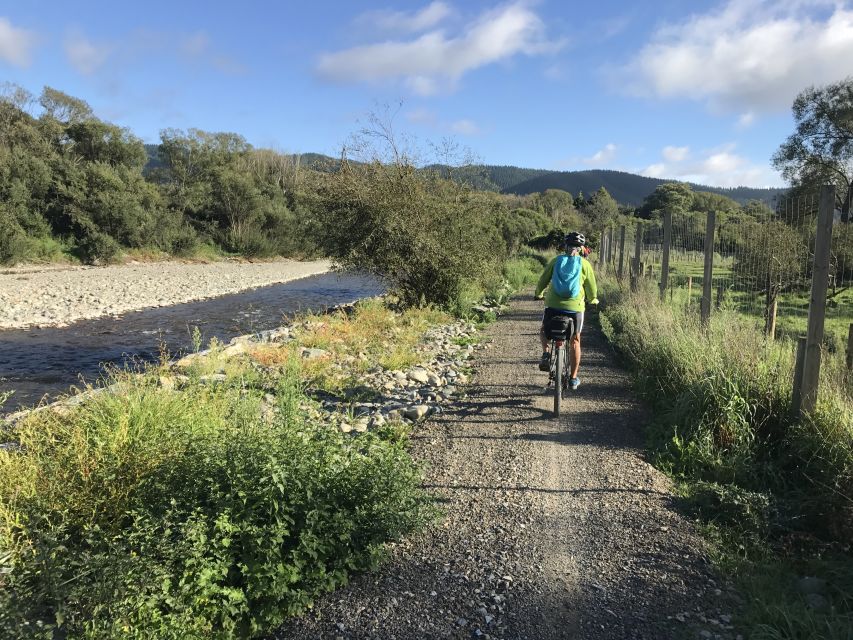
(566, 279)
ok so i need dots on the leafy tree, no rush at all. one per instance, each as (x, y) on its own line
(557, 204)
(601, 208)
(820, 151)
(676, 197)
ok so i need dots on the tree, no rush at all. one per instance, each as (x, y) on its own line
(820, 151)
(601, 208)
(676, 197)
(557, 204)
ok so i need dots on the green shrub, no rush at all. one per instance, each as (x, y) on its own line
(150, 513)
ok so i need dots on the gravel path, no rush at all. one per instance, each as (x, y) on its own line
(551, 529)
(56, 297)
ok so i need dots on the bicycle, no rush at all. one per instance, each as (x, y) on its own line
(560, 329)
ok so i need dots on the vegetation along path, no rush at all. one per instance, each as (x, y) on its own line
(551, 528)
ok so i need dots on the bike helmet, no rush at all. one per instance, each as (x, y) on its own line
(574, 239)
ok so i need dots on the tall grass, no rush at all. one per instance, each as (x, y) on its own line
(147, 512)
(724, 429)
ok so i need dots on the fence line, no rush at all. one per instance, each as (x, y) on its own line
(759, 261)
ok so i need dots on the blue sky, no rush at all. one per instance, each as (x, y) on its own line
(696, 91)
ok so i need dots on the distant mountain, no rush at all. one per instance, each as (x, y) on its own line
(626, 188)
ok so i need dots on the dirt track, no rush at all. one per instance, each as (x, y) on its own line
(552, 529)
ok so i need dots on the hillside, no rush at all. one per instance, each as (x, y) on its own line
(626, 188)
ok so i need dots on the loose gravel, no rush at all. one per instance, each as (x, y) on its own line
(56, 297)
(550, 529)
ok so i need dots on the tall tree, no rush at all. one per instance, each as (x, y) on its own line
(820, 151)
(601, 208)
(672, 196)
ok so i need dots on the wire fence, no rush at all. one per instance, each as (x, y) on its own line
(767, 263)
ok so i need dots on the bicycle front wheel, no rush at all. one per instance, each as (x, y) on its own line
(558, 378)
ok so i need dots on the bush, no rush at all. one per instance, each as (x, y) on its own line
(149, 513)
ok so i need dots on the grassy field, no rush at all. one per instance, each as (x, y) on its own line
(773, 493)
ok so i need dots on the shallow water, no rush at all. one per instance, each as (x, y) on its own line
(40, 364)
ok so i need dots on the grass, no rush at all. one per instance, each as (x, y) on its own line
(188, 512)
(776, 492)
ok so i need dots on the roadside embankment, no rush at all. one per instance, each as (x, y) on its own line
(54, 297)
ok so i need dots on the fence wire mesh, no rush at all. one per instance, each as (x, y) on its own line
(762, 262)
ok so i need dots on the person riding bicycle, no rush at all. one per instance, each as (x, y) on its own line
(570, 281)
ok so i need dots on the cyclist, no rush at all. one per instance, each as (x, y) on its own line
(570, 281)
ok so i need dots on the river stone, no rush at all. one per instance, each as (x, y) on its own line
(213, 378)
(234, 349)
(416, 412)
(434, 380)
(310, 353)
(361, 425)
(346, 427)
(167, 382)
(809, 584)
(419, 375)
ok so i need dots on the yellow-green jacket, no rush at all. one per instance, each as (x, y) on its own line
(589, 290)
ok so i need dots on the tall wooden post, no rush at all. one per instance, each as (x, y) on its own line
(602, 255)
(638, 248)
(850, 348)
(817, 304)
(667, 241)
(796, 397)
(689, 290)
(705, 308)
(621, 271)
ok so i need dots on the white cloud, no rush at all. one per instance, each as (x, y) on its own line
(749, 55)
(745, 120)
(720, 167)
(675, 154)
(83, 54)
(16, 44)
(436, 61)
(402, 22)
(465, 127)
(602, 156)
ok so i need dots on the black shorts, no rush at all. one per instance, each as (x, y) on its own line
(577, 316)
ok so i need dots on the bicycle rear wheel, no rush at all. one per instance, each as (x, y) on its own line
(558, 377)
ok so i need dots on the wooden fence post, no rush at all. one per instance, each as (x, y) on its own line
(796, 397)
(850, 348)
(689, 290)
(817, 304)
(667, 241)
(638, 248)
(602, 253)
(705, 309)
(621, 271)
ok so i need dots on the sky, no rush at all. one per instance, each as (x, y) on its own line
(698, 91)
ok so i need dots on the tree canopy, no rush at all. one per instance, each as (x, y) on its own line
(820, 151)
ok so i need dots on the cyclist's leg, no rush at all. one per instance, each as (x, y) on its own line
(575, 346)
(544, 361)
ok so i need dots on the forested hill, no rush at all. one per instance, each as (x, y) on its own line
(626, 188)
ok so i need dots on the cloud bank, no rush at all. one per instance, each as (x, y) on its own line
(436, 61)
(748, 56)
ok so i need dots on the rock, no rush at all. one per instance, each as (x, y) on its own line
(166, 382)
(310, 353)
(361, 425)
(433, 380)
(346, 427)
(213, 378)
(234, 349)
(811, 585)
(416, 412)
(419, 375)
(816, 601)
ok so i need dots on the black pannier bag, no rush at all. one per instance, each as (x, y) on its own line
(558, 327)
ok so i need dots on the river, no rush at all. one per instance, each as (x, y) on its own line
(41, 364)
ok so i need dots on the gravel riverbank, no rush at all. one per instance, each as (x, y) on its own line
(56, 297)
